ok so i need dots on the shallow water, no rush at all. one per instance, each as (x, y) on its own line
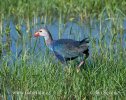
(99, 34)
(95, 30)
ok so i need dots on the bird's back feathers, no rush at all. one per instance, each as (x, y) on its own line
(85, 40)
(68, 48)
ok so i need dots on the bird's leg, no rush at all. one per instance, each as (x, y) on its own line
(81, 63)
(78, 67)
(66, 68)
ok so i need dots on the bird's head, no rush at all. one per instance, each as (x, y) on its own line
(42, 32)
(45, 33)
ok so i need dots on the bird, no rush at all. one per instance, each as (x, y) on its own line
(65, 49)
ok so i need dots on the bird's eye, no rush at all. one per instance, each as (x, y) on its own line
(40, 31)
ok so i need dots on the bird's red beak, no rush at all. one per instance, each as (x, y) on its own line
(36, 34)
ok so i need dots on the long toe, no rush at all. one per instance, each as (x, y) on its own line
(79, 66)
(78, 70)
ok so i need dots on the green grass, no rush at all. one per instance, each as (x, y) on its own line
(103, 76)
(34, 76)
(69, 9)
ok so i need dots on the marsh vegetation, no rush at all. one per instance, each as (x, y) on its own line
(27, 69)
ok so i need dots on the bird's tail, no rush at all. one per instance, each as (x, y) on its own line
(85, 40)
(84, 45)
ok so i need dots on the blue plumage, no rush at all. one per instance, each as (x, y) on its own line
(68, 49)
(65, 49)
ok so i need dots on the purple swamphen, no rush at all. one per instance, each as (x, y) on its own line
(65, 49)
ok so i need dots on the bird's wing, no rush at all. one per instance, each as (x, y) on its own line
(67, 48)
(60, 57)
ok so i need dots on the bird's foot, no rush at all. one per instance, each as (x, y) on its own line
(67, 69)
(78, 67)
(78, 70)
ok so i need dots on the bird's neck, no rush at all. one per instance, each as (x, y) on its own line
(48, 39)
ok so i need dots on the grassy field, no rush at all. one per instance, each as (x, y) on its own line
(67, 9)
(103, 77)
(32, 76)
